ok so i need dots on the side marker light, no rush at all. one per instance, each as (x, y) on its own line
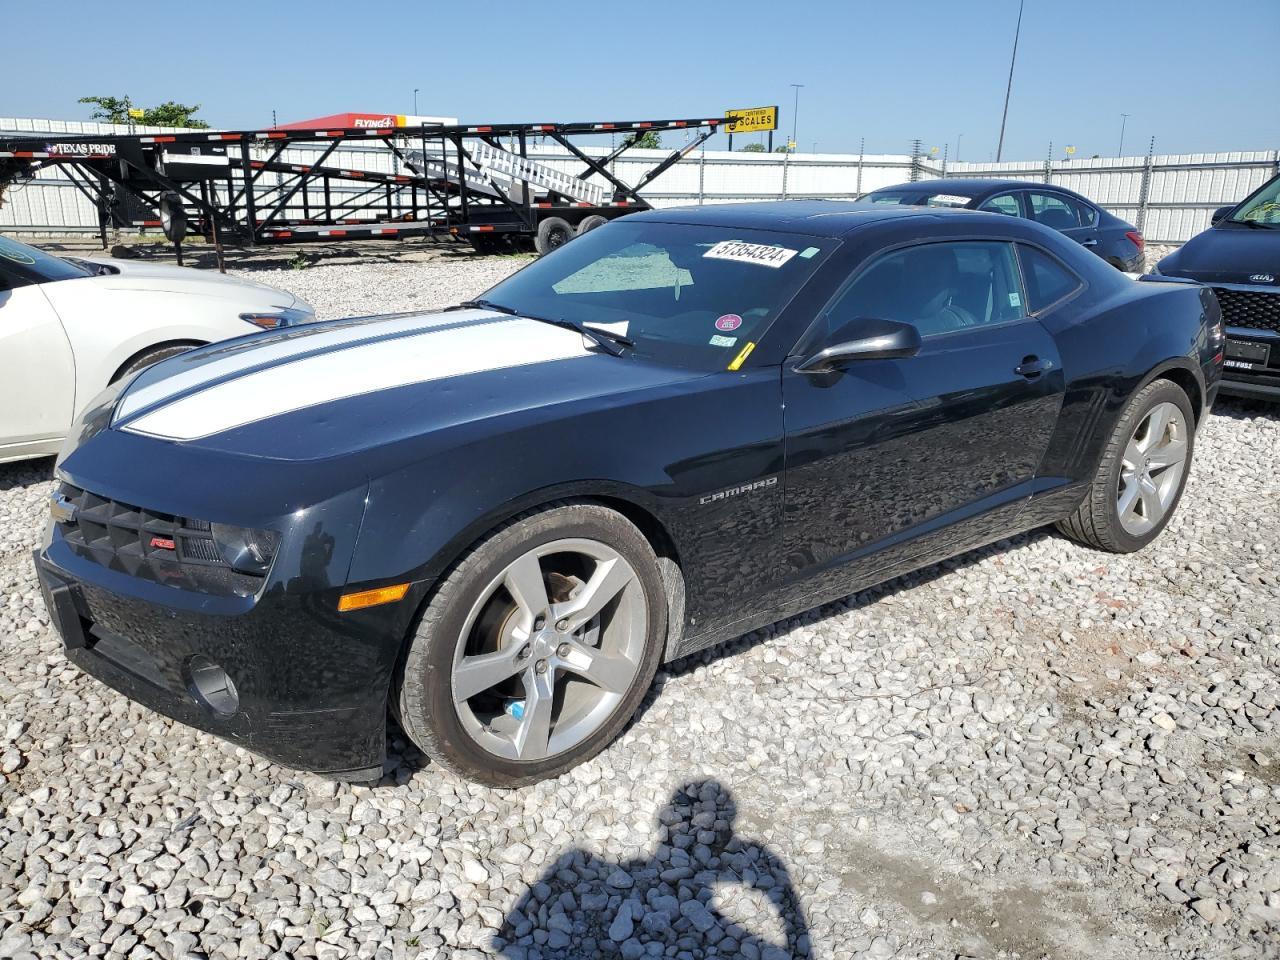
(372, 598)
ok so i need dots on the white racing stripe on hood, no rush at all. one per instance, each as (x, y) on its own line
(291, 343)
(370, 367)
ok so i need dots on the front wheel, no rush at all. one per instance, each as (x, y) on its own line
(1142, 473)
(537, 648)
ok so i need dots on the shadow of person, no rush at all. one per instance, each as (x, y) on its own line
(704, 892)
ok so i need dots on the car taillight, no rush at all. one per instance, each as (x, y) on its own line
(1136, 237)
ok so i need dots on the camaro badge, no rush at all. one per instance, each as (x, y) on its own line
(1263, 278)
(62, 509)
(735, 491)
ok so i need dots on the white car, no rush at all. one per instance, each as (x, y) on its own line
(70, 326)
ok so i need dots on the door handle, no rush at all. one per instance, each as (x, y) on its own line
(1091, 242)
(1032, 367)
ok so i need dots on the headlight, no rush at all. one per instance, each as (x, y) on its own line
(246, 550)
(284, 317)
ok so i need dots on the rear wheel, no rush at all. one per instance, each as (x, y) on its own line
(537, 648)
(590, 223)
(553, 232)
(486, 243)
(1142, 473)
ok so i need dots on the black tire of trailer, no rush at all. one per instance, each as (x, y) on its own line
(486, 243)
(553, 232)
(591, 222)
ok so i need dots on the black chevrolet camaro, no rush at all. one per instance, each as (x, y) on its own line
(496, 521)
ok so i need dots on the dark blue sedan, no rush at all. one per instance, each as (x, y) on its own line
(1116, 241)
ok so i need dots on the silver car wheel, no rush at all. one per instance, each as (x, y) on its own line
(549, 649)
(1151, 469)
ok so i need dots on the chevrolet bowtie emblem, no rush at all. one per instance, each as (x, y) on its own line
(62, 509)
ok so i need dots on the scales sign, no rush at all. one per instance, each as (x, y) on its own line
(751, 119)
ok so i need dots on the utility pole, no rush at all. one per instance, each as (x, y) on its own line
(1124, 118)
(415, 101)
(795, 114)
(959, 137)
(1009, 87)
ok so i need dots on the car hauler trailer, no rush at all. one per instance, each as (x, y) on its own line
(449, 180)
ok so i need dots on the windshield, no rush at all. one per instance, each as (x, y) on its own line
(685, 294)
(36, 265)
(1263, 207)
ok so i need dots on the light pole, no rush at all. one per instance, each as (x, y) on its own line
(795, 114)
(1009, 88)
(1124, 118)
(959, 137)
(415, 101)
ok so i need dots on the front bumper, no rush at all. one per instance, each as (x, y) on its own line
(308, 686)
(1252, 375)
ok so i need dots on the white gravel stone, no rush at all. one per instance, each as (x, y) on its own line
(1033, 749)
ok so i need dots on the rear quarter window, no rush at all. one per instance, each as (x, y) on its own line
(1047, 280)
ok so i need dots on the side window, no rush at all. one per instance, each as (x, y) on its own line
(1048, 281)
(939, 287)
(1053, 210)
(1088, 215)
(1005, 203)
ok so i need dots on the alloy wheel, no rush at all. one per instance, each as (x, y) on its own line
(549, 649)
(1151, 469)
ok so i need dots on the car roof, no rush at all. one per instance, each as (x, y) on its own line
(815, 218)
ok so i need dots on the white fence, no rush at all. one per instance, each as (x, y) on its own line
(1170, 197)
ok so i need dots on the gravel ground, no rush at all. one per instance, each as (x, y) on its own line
(1031, 751)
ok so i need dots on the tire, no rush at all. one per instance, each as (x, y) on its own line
(486, 243)
(590, 223)
(153, 356)
(553, 232)
(476, 620)
(1136, 489)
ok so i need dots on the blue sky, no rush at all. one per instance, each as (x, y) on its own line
(1197, 75)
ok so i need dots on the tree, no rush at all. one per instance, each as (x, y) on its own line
(648, 140)
(168, 114)
(781, 149)
(752, 148)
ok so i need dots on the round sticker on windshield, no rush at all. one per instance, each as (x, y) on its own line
(730, 321)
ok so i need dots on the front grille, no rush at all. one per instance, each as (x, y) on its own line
(146, 543)
(1249, 308)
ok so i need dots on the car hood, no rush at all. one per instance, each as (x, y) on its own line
(1226, 254)
(165, 278)
(403, 385)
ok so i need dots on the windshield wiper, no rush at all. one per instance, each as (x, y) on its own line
(611, 342)
(483, 305)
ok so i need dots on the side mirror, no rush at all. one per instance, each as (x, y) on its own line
(1221, 213)
(865, 339)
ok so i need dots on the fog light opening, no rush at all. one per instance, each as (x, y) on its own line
(212, 687)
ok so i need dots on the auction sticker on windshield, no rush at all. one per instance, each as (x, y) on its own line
(758, 253)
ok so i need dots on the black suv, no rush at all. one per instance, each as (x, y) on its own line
(1239, 257)
(1116, 241)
